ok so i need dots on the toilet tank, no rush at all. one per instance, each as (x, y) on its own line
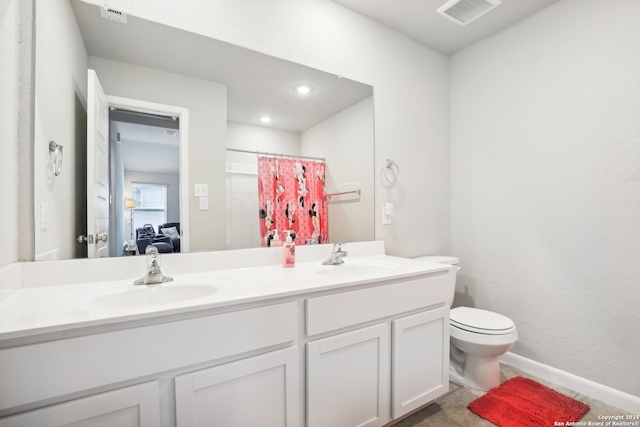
(448, 260)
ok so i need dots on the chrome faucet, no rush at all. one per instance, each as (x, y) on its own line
(154, 275)
(336, 255)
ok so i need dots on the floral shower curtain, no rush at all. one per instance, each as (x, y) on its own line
(291, 197)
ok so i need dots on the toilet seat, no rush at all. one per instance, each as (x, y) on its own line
(481, 321)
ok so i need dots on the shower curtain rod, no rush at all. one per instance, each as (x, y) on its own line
(275, 154)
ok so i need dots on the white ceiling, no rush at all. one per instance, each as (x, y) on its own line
(140, 132)
(147, 148)
(418, 20)
(257, 84)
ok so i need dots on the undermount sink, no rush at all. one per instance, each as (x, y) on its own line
(357, 268)
(154, 295)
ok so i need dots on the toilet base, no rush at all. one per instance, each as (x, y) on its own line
(482, 373)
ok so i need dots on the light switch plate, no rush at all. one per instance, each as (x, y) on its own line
(201, 190)
(386, 213)
(204, 203)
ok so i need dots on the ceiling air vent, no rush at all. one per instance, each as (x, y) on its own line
(113, 15)
(464, 11)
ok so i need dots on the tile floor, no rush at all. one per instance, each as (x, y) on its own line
(451, 409)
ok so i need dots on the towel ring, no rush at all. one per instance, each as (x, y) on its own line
(55, 151)
(389, 173)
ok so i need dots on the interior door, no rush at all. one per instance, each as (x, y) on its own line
(97, 168)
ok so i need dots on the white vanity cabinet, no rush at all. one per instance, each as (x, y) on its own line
(134, 406)
(362, 351)
(374, 374)
(257, 391)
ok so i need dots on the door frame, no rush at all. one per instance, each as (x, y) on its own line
(183, 114)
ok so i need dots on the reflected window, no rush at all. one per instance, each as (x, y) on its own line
(151, 204)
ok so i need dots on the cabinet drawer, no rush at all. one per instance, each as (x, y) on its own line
(331, 312)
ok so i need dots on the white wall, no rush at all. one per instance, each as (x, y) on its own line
(411, 93)
(345, 141)
(9, 81)
(171, 180)
(243, 225)
(546, 185)
(259, 138)
(207, 104)
(60, 115)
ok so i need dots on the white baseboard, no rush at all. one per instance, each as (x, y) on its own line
(601, 392)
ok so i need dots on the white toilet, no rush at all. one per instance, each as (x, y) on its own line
(478, 339)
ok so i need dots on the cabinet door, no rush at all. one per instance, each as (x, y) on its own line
(258, 391)
(130, 406)
(348, 379)
(420, 359)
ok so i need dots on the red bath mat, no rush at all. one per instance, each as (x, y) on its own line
(521, 402)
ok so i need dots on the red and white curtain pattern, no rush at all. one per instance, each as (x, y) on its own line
(291, 197)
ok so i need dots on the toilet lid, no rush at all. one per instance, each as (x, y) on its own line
(480, 321)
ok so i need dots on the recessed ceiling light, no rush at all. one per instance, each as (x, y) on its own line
(303, 89)
(266, 119)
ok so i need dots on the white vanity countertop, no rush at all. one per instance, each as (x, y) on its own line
(30, 313)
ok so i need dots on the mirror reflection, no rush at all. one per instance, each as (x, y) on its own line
(145, 174)
(203, 181)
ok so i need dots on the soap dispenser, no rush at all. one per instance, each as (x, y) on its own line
(288, 252)
(275, 241)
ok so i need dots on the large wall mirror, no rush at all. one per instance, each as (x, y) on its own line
(184, 131)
